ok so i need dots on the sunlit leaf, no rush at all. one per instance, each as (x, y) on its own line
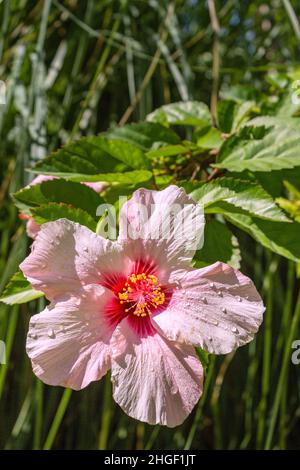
(191, 113)
(19, 291)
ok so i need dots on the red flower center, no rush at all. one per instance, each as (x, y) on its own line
(136, 297)
(142, 294)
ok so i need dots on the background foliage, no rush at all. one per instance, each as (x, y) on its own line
(74, 70)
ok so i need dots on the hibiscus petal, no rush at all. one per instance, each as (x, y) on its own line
(66, 255)
(167, 223)
(155, 380)
(69, 342)
(32, 228)
(216, 308)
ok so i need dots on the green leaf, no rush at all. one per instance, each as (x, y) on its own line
(169, 151)
(275, 121)
(278, 149)
(208, 138)
(16, 256)
(19, 291)
(280, 237)
(232, 114)
(291, 207)
(245, 195)
(145, 135)
(54, 211)
(219, 245)
(184, 113)
(126, 177)
(293, 190)
(68, 192)
(97, 159)
(226, 110)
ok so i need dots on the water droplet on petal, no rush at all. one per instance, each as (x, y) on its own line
(220, 293)
(33, 336)
(224, 310)
(51, 333)
(204, 299)
(85, 249)
(239, 299)
(211, 285)
(234, 329)
(209, 338)
(247, 297)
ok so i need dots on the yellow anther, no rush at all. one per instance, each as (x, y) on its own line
(143, 293)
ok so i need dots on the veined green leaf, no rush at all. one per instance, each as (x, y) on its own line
(127, 177)
(278, 149)
(219, 245)
(60, 191)
(232, 114)
(248, 196)
(54, 211)
(208, 138)
(280, 237)
(145, 135)
(190, 113)
(168, 151)
(94, 157)
(19, 291)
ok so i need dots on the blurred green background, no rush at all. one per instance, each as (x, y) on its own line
(74, 68)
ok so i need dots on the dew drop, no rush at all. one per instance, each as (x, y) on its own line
(239, 299)
(210, 338)
(224, 310)
(33, 336)
(220, 294)
(211, 285)
(247, 297)
(234, 329)
(204, 299)
(85, 249)
(51, 334)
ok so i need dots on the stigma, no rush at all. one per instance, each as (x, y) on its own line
(141, 294)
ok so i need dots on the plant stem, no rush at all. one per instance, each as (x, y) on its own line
(216, 61)
(106, 415)
(63, 404)
(283, 374)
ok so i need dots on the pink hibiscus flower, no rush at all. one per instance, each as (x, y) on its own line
(137, 307)
(32, 227)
